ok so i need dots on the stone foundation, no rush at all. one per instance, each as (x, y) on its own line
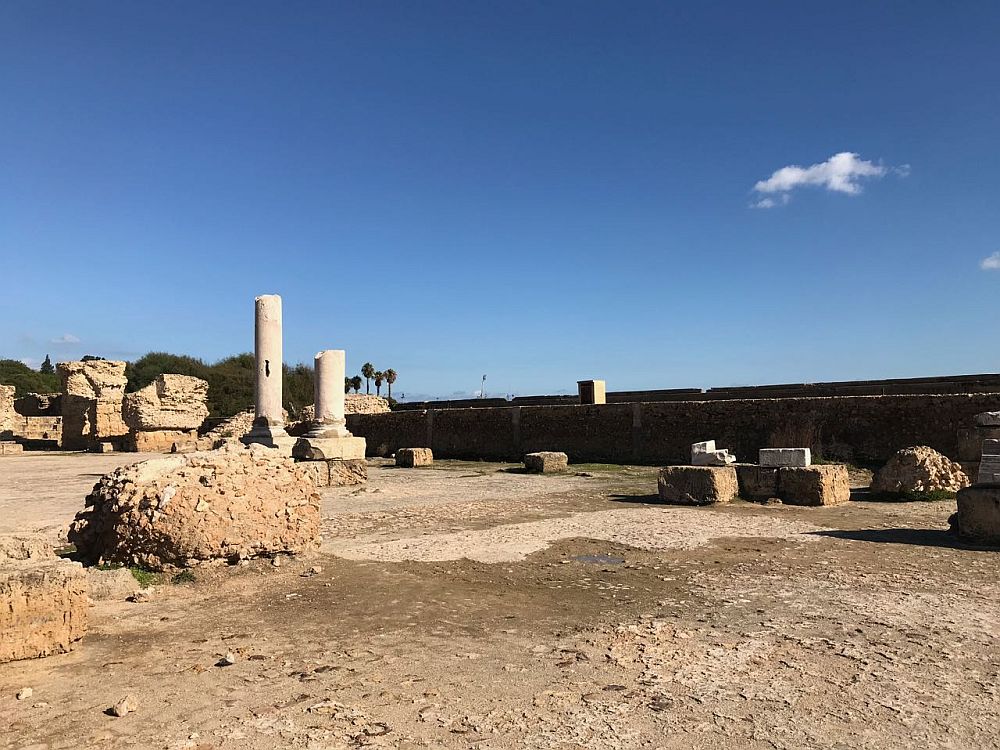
(162, 441)
(336, 473)
(698, 485)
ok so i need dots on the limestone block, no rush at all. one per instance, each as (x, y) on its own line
(411, 457)
(592, 391)
(7, 412)
(706, 454)
(919, 469)
(43, 607)
(92, 401)
(113, 583)
(10, 448)
(757, 482)
(989, 470)
(103, 447)
(814, 485)
(698, 485)
(171, 402)
(978, 517)
(227, 504)
(329, 448)
(336, 473)
(546, 462)
(162, 441)
(785, 457)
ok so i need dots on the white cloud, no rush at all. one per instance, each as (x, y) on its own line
(841, 173)
(991, 263)
(66, 338)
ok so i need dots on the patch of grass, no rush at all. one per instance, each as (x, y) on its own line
(146, 578)
(931, 496)
(185, 576)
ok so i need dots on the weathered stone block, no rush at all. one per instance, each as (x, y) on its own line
(171, 402)
(698, 485)
(162, 441)
(988, 419)
(989, 470)
(546, 462)
(757, 482)
(347, 448)
(336, 473)
(978, 517)
(10, 448)
(411, 457)
(785, 457)
(814, 485)
(43, 607)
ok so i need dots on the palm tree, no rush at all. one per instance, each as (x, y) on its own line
(356, 383)
(347, 384)
(368, 370)
(390, 378)
(379, 377)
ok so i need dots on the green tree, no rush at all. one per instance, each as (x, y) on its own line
(390, 378)
(347, 384)
(145, 370)
(231, 385)
(368, 371)
(379, 376)
(90, 358)
(25, 380)
(356, 383)
(47, 368)
(298, 388)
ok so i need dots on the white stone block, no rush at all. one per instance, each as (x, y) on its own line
(706, 454)
(800, 457)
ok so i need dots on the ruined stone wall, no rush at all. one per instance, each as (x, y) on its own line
(92, 402)
(32, 431)
(858, 429)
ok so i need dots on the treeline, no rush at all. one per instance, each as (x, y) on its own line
(25, 380)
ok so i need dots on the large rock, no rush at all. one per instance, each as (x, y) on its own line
(43, 600)
(92, 402)
(919, 469)
(232, 503)
(698, 485)
(171, 402)
(546, 462)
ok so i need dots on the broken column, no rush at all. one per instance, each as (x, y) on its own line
(328, 439)
(269, 422)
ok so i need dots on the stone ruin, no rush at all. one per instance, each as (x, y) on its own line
(92, 403)
(166, 414)
(706, 454)
(32, 420)
(233, 503)
(978, 517)
(43, 599)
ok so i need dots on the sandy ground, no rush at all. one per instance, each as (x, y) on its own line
(465, 606)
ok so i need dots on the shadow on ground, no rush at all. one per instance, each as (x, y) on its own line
(921, 537)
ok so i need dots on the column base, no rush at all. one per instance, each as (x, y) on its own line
(272, 437)
(329, 448)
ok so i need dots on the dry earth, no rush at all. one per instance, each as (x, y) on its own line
(467, 606)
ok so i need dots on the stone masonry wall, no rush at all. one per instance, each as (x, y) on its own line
(92, 402)
(858, 429)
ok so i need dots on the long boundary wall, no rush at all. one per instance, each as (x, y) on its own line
(859, 429)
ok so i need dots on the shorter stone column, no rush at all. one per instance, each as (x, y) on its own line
(328, 438)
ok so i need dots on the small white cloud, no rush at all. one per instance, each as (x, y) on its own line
(841, 173)
(66, 338)
(991, 263)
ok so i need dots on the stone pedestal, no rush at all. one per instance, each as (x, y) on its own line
(269, 422)
(328, 438)
(978, 517)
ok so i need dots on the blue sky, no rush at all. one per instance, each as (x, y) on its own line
(542, 192)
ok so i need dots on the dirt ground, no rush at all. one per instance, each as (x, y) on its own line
(468, 606)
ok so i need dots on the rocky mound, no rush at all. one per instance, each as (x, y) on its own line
(918, 470)
(232, 503)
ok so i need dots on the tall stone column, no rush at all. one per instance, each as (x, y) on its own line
(329, 395)
(269, 422)
(328, 438)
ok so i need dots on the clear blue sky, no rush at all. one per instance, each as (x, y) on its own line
(539, 191)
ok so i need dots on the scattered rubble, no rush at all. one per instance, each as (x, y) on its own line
(919, 469)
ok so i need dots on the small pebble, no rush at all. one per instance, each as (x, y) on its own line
(24, 693)
(228, 660)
